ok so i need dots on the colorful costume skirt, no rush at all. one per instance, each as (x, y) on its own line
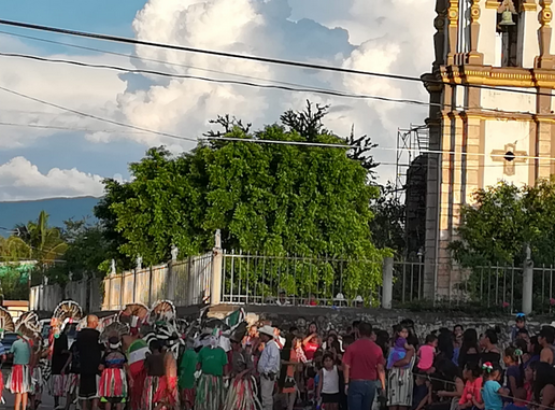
(20, 379)
(211, 393)
(113, 383)
(58, 384)
(137, 373)
(242, 395)
(36, 383)
(72, 386)
(156, 391)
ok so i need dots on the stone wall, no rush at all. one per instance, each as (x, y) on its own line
(425, 322)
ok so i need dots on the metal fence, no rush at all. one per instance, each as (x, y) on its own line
(497, 286)
(295, 280)
(324, 281)
(186, 282)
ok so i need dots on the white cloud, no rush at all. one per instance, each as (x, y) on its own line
(392, 36)
(307, 30)
(20, 180)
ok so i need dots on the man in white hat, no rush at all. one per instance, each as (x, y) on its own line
(268, 366)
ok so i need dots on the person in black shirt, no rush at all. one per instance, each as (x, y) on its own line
(60, 354)
(90, 353)
(74, 365)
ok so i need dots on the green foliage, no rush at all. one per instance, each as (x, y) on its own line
(265, 198)
(503, 221)
(388, 225)
(14, 283)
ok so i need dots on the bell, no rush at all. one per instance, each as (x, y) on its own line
(507, 19)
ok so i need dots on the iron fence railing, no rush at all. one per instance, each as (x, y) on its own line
(298, 280)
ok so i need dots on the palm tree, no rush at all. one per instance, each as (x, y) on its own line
(13, 249)
(46, 243)
(37, 241)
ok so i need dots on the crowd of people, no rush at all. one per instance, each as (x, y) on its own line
(267, 368)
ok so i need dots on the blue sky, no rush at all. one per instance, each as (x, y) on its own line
(360, 34)
(69, 150)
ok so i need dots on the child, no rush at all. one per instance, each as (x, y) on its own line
(519, 402)
(113, 381)
(491, 390)
(328, 385)
(426, 354)
(512, 359)
(520, 323)
(400, 347)
(473, 386)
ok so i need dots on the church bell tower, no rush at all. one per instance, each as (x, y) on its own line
(491, 110)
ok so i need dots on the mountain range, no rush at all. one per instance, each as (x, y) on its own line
(58, 209)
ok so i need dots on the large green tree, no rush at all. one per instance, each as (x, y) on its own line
(267, 198)
(504, 221)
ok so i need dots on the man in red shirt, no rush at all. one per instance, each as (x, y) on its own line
(363, 365)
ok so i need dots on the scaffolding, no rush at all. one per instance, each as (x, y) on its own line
(411, 143)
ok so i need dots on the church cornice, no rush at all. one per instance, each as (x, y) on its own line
(497, 76)
(496, 115)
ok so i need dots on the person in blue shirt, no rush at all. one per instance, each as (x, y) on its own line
(492, 391)
(268, 366)
(19, 381)
(520, 323)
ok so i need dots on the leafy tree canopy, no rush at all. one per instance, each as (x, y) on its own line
(388, 225)
(503, 221)
(267, 198)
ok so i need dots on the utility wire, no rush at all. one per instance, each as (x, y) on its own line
(243, 140)
(324, 91)
(55, 127)
(291, 63)
(134, 56)
(332, 93)
(96, 117)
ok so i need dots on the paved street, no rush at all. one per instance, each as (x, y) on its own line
(47, 400)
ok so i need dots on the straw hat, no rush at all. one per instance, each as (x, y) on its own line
(267, 330)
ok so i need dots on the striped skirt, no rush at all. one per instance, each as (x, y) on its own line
(211, 393)
(113, 383)
(242, 395)
(72, 386)
(36, 383)
(58, 385)
(19, 381)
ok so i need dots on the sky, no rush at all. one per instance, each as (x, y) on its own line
(393, 36)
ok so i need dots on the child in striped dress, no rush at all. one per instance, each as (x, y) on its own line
(113, 382)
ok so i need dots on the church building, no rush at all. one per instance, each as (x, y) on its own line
(491, 113)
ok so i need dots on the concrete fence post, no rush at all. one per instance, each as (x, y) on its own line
(387, 294)
(527, 286)
(217, 263)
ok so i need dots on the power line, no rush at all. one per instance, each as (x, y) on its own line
(260, 141)
(291, 63)
(327, 92)
(134, 56)
(131, 41)
(324, 91)
(96, 117)
(55, 127)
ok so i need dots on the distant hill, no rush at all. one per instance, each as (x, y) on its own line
(59, 209)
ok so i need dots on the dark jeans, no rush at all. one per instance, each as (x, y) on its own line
(361, 394)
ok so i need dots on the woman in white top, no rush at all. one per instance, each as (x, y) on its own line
(328, 386)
